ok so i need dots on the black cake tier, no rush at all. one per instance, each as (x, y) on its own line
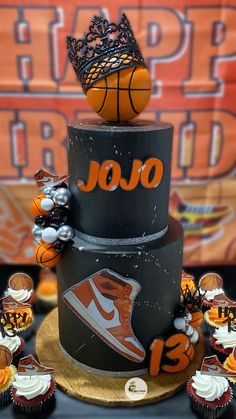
(119, 179)
(114, 300)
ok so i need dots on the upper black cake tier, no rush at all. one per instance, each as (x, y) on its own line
(120, 179)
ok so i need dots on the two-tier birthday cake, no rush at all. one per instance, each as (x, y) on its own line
(118, 253)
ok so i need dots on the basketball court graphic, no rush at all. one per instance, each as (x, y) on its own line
(104, 302)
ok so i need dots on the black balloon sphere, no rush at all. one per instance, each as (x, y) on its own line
(58, 245)
(41, 220)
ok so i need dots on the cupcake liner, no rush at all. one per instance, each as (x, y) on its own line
(208, 412)
(5, 398)
(19, 353)
(219, 350)
(46, 406)
(25, 334)
(211, 326)
(40, 404)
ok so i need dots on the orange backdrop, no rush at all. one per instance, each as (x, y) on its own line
(190, 48)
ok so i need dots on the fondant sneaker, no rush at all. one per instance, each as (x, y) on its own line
(44, 178)
(221, 300)
(29, 366)
(212, 366)
(104, 301)
(9, 303)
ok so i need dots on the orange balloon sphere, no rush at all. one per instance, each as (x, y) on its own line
(36, 206)
(122, 95)
(46, 255)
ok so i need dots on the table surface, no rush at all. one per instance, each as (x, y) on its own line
(176, 407)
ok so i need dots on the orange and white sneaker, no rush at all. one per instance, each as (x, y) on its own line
(104, 301)
(29, 366)
(44, 178)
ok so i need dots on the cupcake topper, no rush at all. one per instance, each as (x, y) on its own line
(221, 300)
(212, 366)
(9, 303)
(191, 299)
(29, 366)
(105, 49)
(5, 357)
(210, 281)
(44, 178)
(19, 281)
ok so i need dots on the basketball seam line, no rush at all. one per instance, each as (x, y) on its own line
(103, 103)
(121, 88)
(130, 97)
(118, 96)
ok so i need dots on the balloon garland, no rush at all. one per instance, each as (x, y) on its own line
(51, 230)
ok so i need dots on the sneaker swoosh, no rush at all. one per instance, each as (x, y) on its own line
(107, 315)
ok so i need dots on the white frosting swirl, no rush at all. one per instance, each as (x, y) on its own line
(12, 343)
(225, 338)
(209, 387)
(210, 294)
(19, 295)
(31, 386)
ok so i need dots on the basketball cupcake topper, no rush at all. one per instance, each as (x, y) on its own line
(111, 69)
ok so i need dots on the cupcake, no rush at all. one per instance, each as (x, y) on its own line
(223, 342)
(33, 389)
(213, 320)
(210, 285)
(15, 344)
(7, 375)
(20, 315)
(230, 365)
(20, 287)
(47, 290)
(209, 395)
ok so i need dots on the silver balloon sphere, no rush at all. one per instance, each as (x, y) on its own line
(49, 191)
(195, 337)
(35, 227)
(65, 233)
(189, 331)
(180, 323)
(37, 234)
(62, 196)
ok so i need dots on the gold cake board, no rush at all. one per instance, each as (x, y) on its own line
(103, 390)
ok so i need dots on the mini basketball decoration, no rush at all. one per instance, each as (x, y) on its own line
(197, 319)
(36, 206)
(51, 209)
(210, 281)
(111, 69)
(19, 281)
(46, 255)
(5, 357)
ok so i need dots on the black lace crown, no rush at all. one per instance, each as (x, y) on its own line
(106, 48)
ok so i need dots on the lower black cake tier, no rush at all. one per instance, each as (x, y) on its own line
(114, 300)
(119, 180)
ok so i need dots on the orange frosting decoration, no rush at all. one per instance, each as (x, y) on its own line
(47, 288)
(213, 315)
(230, 362)
(5, 376)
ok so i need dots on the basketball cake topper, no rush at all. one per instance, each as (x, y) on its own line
(111, 69)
